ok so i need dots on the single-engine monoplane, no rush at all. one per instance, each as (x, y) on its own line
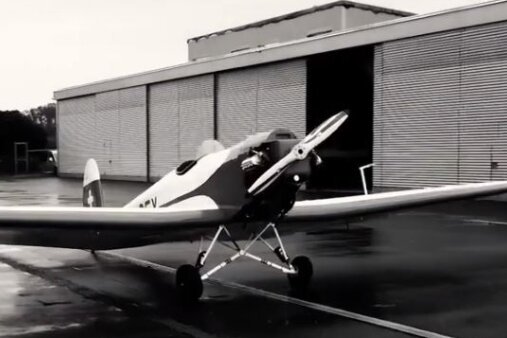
(250, 187)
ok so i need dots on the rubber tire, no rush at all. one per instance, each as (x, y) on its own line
(189, 283)
(301, 280)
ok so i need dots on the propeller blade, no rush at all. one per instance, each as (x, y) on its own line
(268, 176)
(300, 151)
(325, 129)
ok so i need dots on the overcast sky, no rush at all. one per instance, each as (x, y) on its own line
(51, 44)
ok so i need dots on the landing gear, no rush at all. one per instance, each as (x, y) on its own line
(188, 282)
(300, 280)
(299, 271)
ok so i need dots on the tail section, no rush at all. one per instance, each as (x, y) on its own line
(92, 188)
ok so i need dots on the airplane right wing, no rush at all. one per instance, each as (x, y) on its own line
(353, 206)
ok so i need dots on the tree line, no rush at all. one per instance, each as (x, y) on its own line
(36, 126)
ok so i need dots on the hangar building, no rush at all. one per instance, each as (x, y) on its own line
(427, 97)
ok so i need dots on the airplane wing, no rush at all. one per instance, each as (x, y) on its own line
(345, 207)
(105, 228)
(109, 228)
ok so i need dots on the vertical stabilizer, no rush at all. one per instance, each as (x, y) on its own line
(92, 188)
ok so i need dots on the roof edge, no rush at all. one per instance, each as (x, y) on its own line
(296, 14)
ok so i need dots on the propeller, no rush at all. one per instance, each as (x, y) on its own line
(299, 152)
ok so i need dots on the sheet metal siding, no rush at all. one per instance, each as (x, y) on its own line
(164, 128)
(484, 111)
(440, 108)
(196, 114)
(418, 114)
(132, 137)
(109, 127)
(260, 99)
(76, 137)
(378, 68)
(181, 117)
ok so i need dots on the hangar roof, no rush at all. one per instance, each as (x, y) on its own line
(313, 9)
(493, 11)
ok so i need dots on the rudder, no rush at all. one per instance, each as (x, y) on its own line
(92, 188)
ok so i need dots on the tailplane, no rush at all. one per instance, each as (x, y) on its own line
(92, 188)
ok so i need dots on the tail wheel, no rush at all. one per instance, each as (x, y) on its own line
(304, 272)
(188, 282)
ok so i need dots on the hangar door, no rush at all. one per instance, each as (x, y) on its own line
(260, 99)
(483, 114)
(121, 133)
(110, 127)
(180, 118)
(440, 115)
(416, 107)
(76, 134)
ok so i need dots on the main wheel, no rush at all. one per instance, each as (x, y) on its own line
(304, 272)
(188, 282)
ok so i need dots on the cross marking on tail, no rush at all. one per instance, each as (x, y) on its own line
(90, 199)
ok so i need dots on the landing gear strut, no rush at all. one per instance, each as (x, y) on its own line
(299, 271)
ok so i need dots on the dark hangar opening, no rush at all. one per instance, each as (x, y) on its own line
(336, 81)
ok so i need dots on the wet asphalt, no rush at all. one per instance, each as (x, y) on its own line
(442, 269)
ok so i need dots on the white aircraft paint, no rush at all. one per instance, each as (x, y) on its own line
(91, 172)
(197, 202)
(172, 186)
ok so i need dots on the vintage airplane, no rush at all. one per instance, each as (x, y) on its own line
(249, 187)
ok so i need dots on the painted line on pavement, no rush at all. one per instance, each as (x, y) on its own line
(485, 221)
(271, 295)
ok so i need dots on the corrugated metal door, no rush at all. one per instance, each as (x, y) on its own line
(181, 117)
(132, 141)
(76, 133)
(282, 97)
(416, 111)
(164, 128)
(260, 99)
(120, 146)
(483, 149)
(196, 114)
(378, 130)
(107, 133)
(236, 105)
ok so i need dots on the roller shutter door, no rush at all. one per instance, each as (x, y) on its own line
(260, 99)
(121, 133)
(196, 114)
(236, 105)
(109, 127)
(76, 133)
(164, 128)
(132, 154)
(181, 117)
(417, 101)
(378, 136)
(483, 149)
(107, 133)
(461, 74)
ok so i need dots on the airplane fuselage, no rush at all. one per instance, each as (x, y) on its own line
(220, 180)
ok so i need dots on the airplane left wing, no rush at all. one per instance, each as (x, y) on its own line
(108, 218)
(105, 228)
(353, 206)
